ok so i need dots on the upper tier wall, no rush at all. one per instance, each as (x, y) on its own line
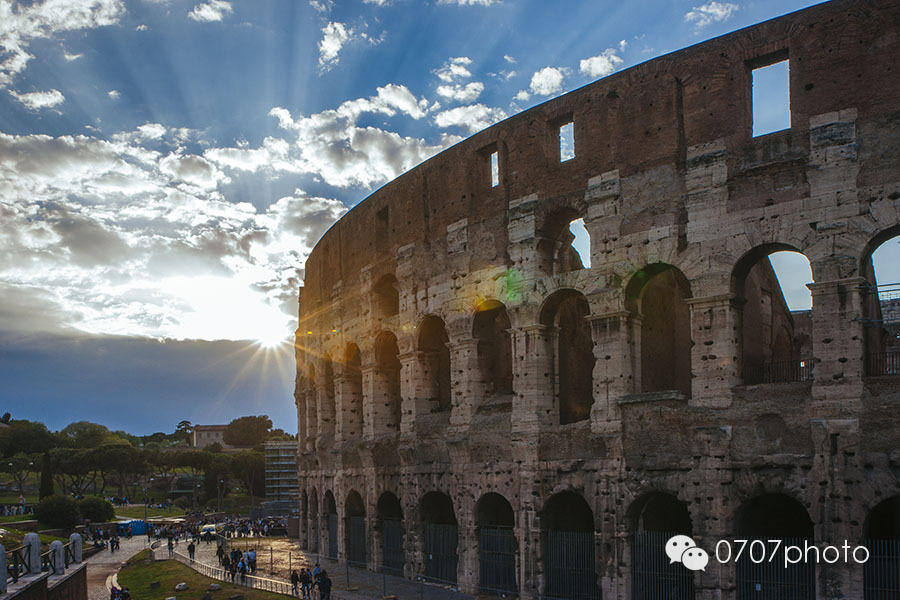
(842, 54)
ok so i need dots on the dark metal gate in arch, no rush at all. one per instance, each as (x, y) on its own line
(332, 536)
(497, 559)
(392, 540)
(356, 541)
(653, 575)
(315, 534)
(571, 571)
(881, 573)
(764, 579)
(441, 541)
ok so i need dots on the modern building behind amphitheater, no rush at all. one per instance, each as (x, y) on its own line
(478, 408)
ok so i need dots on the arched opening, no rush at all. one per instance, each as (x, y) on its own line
(313, 521)
(355, 529)
(386, 403)
(352, 394)
(491, 329)
(767, 517)
(565, 243)
(434, 359)
(331, 518)
(655, 520)
(659, 292)
(386, 298)
(881, 573)
(440, 537)
(770, 288)
(568, 540)
(390, 522)
(326, 413)
(497, 548)
(880, 266)
(566, 310)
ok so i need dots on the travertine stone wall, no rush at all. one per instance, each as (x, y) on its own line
(670, 182)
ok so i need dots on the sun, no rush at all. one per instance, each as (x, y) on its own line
(271, 339)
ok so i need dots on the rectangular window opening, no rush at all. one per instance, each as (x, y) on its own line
(566, 141)
(495, 169)
(771, 98)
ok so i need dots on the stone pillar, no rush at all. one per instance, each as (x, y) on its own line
(3, 569)
(33, 542)
(57, 558)
(312, 421)
(614, 350)
(413, 393)
(467, 382)
(325, 410)
(380, 395)
(348, 409)
(467, 547)
(534, 379)
(715, 332)
(838, 343)
(75, 547)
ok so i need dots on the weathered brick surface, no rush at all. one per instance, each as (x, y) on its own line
(668, 179)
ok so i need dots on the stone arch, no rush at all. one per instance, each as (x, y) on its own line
(385, 403)
(355, 529)
(566, 311)
(497, 545)
(774, 516)
(440, 537)
(660, 527)
(774, 344)
(881, 320)
(386, 297)
(390, 526)
(658, 293)
(434, 360)
(554, 246)
(882, 535)
(326, 411)
(567, 536)
(491, 328)
(329, 508)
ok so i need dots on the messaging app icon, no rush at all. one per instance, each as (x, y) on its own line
(683, 549)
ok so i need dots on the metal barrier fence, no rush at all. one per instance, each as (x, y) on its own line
(356, 541)
(497, 559)
(441, 554)
(779, 371)
(653, 575)
(571, 573)
(277, 586)
(332, 536)
(883, 363)
(17, 561)
(392, 536)
(766, 579)
(881, 573)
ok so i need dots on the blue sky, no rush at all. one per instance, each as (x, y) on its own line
(166, 165)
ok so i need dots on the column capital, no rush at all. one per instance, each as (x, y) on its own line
(717, 300)
(824, 287)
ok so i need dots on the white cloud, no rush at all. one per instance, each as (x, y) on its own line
(113, 94)
(712, 12)
(601, 65)
(547, 81)
(454, 69)
(470, 2)
(334, 36)
(211, 11)
(461, 93)
(377, 2)
(141, 27)
(522, 96)
(322, 6)
(473, 118)
(511, 60)
(71, 57)
(39, 100)
(20, 23)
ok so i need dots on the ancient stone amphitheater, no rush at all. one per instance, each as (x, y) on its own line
(478, 408)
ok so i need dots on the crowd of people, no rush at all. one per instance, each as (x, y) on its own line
(304, 582)
(9, 510)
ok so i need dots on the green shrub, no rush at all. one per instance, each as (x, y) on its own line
(96, 509)
(58, 511)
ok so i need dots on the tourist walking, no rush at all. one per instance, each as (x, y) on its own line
(324, 585)
(295, 582)
(171, 546)
(191, 550)
(305, 584)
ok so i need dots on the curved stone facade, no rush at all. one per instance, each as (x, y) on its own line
(462, 381)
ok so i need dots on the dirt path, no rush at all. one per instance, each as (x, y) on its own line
(106, 563)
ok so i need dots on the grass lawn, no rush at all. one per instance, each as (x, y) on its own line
(12, 538)
(140, 570)
(15, 518)
(137, 512)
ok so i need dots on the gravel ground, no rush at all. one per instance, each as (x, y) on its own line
(106, 563)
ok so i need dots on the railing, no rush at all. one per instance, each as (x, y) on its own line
(883, 363)
(17, 561)
(779, 371)
(277, 586)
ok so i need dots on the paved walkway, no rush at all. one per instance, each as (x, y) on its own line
(106, 563)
